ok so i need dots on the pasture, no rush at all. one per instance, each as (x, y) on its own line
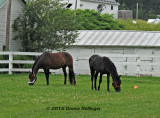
(19, 100)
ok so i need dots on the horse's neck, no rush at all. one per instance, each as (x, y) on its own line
(114, 75)
(35, 68)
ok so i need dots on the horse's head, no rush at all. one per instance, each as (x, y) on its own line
(116, 84)
(32, 78)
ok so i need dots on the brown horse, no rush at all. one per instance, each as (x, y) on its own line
(48, 61)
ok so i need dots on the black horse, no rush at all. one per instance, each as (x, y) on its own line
(48, 61)
(104, 65)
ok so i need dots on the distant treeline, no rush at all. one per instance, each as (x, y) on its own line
(147, 9)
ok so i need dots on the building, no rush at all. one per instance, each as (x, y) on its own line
(125, 14)
(135, 53)
(102, 6)
(9, 10)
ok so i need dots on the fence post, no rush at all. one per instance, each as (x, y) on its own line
(10, 63)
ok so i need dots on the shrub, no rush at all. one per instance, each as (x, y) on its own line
(93, 20)
(139, 25)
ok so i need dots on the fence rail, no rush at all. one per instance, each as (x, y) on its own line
(10, 62)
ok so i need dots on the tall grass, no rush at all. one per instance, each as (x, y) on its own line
(19, 100)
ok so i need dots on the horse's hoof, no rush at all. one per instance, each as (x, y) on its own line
(98, 88)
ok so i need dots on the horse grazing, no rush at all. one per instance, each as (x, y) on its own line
(104, 65)
(48, 61)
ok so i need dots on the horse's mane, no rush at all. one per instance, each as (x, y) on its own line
(35, 62)
(111, 66)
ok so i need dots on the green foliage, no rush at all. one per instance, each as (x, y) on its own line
(139, 25)
(19, 100)
(4, 57)
(93, 20)
(45, 24)
(23, 57)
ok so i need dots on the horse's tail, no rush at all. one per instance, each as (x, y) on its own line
(72, 76)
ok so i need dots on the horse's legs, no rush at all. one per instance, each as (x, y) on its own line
(65, 74)
(95, 80)
(47, 75)
(100, 80)
(108, 75)
(92, 76)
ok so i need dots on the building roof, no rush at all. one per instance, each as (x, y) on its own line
(103, 1)
(118, 38)
(2, 2)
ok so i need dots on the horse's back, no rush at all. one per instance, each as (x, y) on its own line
(100, 64)
(62, 58)
(93, 58)
(95, 62)
(59, 55)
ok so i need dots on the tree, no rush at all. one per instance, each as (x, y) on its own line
(45, 24)
(93, 20)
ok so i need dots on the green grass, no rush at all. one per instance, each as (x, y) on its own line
(19, 100)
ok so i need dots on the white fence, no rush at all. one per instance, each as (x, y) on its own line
(127, 64)
(10, 62)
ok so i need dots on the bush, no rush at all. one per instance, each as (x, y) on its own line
(4, 57)
(139, 25)
(93, 20)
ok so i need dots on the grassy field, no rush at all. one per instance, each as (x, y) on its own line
(19, 100)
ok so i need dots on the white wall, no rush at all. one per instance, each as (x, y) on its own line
(3, 18)
(71, 2)
(16, 10)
